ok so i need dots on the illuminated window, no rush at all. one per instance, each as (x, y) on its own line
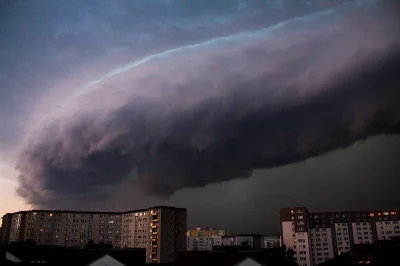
(291, 212)
(371, 214)
(385, 213)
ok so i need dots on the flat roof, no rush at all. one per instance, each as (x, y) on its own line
(98, 212)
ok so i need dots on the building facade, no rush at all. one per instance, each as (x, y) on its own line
(208, 232)
(203, 243)
(271, 242)
(161, 230)
(254, 241)
(205, 238)
(317, 237)
(210, 243)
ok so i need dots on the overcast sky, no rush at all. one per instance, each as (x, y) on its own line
(230, 108)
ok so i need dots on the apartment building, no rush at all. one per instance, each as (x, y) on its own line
(208, 232)
(205, 238)
(5, 228)
(271, 242)
(203, 243)
(228, 241)
(252, 240)
(317, 237)
(161, 230)
(209, 243)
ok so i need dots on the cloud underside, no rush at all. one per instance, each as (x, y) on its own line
(215, 111)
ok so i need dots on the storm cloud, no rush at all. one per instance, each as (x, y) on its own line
(216, 110)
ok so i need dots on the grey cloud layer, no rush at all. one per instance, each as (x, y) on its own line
(43, 43)
(218, 110)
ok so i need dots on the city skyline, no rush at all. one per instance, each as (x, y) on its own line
(177, 106)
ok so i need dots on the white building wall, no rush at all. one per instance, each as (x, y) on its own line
(300, 242)
(203, 243)
(387, 229)
(217, 241)
(342, 231)
(362, 233)
(321, 245)
(303, 249)
(271, 241)
(288, 235)
(15, 227)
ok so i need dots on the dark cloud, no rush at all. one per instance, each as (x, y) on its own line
(45, 43)
(216, 111)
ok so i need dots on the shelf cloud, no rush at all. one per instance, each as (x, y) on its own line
(214, 111)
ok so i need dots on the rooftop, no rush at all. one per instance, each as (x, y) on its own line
(98, 212)
(53, 255)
